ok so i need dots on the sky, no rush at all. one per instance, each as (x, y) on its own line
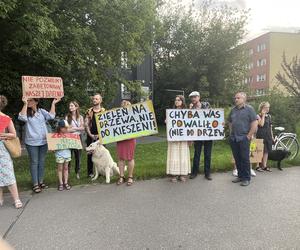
(268, 15)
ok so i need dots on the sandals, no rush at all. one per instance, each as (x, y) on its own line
(174, 179)
(43, 186)
(121, 180)
(18, 204)
(60, 187)
(67, 186)
(36, 188)
(182, 178)
(260, 169)
(267, 169)
(129, 181)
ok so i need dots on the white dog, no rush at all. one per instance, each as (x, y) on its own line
(102, 161)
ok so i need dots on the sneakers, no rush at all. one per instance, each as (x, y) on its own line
(77, 176)
(235, 173)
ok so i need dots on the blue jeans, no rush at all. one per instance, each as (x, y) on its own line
(37, 155)
(241, 154)
(207, 156)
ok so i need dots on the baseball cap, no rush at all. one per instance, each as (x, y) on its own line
(194, 93)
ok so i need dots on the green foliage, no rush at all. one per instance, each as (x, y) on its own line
(290, 78)
(198, 49)
(284, 109)
(80, 41)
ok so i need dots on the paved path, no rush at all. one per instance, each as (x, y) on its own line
(157, 214)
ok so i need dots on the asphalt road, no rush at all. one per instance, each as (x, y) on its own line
(157, 214)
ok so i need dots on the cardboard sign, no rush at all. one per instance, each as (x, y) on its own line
(58, 141)
(256, 151)
(195, 124)
(42, 87)
(129, 122)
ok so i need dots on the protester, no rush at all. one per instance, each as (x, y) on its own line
(178, 161)
(125, 152)
(243, 125)
(63, 157)
(264, 132)
(35, 119)
(197, 104)
(76, 123)
(7, 175)
(91, 127)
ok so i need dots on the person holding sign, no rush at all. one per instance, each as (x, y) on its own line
(91, 127)
(76, 122)
(197, 104)
(243, 125)
(63, 157)
(7, 175)
(35, 119)
(125, 151)
(178, 161)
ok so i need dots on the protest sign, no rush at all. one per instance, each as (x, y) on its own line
(128, 122)
(42, 87)
(256, 151)
(58, 141)
(195, 124)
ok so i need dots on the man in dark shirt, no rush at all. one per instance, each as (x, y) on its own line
(91, 127)
(197, 104)
(243, 125)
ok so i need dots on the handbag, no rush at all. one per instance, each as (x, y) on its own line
(13, 146)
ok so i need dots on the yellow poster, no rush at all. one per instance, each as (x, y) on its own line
(128, 122)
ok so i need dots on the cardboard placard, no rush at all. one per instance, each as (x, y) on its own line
(128, 122)
(58, 141)
(42, 87)
(195, 124)
(256, 151)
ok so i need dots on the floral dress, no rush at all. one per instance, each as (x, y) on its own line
(7, 176)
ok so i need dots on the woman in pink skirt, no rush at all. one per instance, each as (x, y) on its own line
(125, 151)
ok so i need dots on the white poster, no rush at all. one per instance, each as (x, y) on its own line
(195, 124)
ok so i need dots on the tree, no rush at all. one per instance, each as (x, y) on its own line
(290, 78)
(80, 41)
(199, 49)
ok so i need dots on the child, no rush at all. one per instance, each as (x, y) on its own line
(63, 157)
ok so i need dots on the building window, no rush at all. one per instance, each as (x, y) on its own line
(250, 65)
(250, 51)
(261, 78)
(260, 92)
(261, 62)
(261, 47)
(248, 80)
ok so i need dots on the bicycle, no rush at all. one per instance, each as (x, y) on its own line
(287, 142)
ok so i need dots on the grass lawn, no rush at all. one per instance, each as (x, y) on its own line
(150, 163)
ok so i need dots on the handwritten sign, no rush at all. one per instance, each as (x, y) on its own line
(42, 87)
(129, 122)
(58, 141)
(195, 124)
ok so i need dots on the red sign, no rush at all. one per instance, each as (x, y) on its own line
(42, 87)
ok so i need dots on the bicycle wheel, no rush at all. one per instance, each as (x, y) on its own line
(290, 144)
